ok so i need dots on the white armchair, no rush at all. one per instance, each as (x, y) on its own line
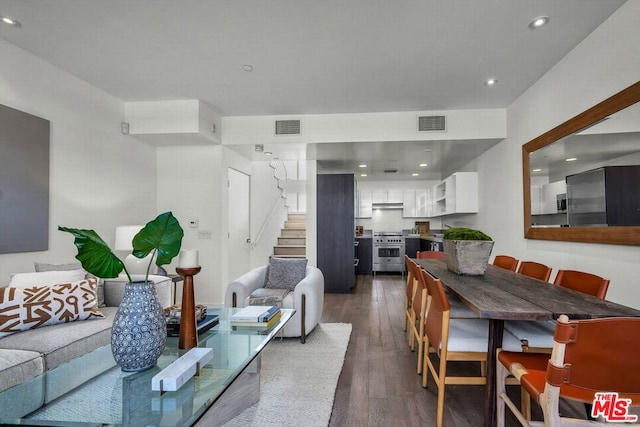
(307, 299)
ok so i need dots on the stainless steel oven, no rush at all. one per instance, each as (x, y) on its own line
(388, 251)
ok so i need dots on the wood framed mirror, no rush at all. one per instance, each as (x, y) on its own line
(550, 214)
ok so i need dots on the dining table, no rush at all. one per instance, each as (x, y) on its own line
(501, 294)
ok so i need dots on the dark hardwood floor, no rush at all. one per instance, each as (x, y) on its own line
(379, 385)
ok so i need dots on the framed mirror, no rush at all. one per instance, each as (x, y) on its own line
(581, 179)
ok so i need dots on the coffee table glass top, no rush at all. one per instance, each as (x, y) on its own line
(125, 399)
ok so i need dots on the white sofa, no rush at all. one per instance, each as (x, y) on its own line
(307, 299)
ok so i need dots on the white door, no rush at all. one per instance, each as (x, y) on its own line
(239, 224)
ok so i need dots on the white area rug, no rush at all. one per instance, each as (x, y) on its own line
(298, 381)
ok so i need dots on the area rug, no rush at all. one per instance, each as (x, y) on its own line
(298, 381)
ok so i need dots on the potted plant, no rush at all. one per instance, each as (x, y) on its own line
(467, 251)
(139, 330)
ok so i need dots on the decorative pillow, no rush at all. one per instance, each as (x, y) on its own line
(285, 273)
(24, 280)
(38, 306)
(43, 266)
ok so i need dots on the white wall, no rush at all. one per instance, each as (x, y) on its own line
(192, 183)
(604, 63)
(99, 178)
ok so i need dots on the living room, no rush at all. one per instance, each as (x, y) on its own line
(101, 178)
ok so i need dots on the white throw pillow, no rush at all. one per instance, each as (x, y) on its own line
(46, 278)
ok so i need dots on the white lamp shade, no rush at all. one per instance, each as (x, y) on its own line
(125, 235)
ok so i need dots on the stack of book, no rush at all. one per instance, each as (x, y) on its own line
(256, 316)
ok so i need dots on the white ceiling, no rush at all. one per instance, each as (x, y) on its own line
(308, 57)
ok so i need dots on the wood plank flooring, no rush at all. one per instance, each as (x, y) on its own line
(379, 385)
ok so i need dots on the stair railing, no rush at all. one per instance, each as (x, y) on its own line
(280, 175)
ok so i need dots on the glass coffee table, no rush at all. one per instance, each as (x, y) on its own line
(226, 386)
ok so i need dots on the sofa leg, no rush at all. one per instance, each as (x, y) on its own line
(303, 335)
(234, 300)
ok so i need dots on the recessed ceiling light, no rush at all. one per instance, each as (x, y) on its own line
(363, 174)
(537, 170)
(490, 82)
(268, 153)
(423, 165)
(247, 67)
(571, 159)
(362, 166)
(10, 21)
(538, 22)
(415, 174)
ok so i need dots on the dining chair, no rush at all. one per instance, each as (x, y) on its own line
(418, 312)
(583, 282)
(588, 357)
(430, 255)
(505, 261)
(535, 270)
(453, 340)
(410, 289)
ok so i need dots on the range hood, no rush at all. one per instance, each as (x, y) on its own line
(386, 206)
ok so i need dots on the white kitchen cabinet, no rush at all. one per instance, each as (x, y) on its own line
(365, 199)
(549, 196)
(536, 199)
(456, 194)
(388, 196)
(379, 196)
(415, 203)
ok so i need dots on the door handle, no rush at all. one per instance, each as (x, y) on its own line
(249, 240)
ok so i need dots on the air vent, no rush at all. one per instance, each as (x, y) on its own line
(390, 170)
(287, 127)
(432, 123)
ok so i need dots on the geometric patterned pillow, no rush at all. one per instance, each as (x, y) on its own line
(37, 306)
(285, 273)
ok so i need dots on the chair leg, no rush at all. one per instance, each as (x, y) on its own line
(303, 334)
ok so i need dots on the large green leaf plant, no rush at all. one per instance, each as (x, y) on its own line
(162, 237)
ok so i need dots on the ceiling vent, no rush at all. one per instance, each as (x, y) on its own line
(287, 127)
(432, 123)
(391, 171)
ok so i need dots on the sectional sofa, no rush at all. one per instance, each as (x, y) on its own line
(38, 365)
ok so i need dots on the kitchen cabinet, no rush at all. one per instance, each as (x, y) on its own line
(456, 194)
(388, 196)
(550, 194)
(411, 246)
(365, 255)
(335, 222)
(365, 204)
(415, 203)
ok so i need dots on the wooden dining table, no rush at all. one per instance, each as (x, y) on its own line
(501, 295)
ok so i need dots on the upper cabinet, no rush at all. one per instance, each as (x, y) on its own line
(456, 194)
(365, 204)
(415, 204)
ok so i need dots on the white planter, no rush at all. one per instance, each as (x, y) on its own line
(469, 257)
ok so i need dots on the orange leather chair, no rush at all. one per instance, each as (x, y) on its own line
(410, 289)
(430, 255)
(588, 356)
(505, 261)
(535, 270)
(583, 282)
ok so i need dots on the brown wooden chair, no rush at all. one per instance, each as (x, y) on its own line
(589, 356)
(535, 270)
(410, 289)
(505, 261)
(584, 282)
(418, 312)
(452, 340)
(430, 255)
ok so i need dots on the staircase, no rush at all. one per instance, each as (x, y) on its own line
(292, 240)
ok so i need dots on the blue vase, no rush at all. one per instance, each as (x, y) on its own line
(139, 331)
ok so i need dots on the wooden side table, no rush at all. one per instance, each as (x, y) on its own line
(175, 278)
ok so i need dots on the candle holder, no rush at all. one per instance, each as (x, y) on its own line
(188, 332)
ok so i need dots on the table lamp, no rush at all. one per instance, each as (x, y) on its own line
(124, 242)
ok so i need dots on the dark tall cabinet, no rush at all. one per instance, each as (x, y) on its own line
(336, 231)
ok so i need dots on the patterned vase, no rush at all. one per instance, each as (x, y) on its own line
(139, 331)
